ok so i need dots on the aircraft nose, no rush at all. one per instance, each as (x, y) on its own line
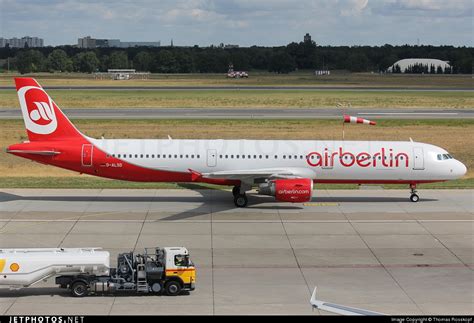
(459, 169)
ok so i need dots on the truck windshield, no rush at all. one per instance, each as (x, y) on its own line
(182, 260)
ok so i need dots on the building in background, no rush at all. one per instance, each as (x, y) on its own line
(122, 74)
(307, 38)
(89, 42)
(23, 42)
(420, 65)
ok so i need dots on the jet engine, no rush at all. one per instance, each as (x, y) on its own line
(296, 190)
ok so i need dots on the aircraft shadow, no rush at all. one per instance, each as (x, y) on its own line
(220, 205)
(6, 197)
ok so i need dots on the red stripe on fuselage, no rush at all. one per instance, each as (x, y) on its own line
(104, 165)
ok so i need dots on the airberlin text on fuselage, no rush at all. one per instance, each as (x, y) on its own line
(383, 158)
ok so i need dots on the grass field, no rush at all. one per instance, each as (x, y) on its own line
(256, 79)
(249, 99)
(453, 135)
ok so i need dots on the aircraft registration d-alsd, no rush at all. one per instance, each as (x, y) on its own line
(285, 169)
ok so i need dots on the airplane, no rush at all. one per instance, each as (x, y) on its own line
(285, 169)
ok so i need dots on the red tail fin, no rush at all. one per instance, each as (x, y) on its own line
(43, 119)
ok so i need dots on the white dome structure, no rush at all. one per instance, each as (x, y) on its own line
(407, 63)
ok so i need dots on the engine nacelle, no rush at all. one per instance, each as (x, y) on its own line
(296, 190)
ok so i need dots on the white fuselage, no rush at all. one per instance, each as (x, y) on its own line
(339, 161)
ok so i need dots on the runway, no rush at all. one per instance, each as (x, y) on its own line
(252, 113)
(367, 248)
(258, 88)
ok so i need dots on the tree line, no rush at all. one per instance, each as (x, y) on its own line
(283, 59)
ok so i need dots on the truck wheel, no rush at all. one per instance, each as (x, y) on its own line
(172, 288)
(79, 289)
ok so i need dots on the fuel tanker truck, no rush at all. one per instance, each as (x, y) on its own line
(87, 271)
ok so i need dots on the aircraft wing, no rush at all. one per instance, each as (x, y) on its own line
(267, 173)
(337, 308)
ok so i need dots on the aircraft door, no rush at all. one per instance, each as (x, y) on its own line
(418, 158)
(86, 156)
(211, 157)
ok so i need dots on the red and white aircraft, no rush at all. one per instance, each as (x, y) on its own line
(285, 169)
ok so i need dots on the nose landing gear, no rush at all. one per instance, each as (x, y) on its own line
(414, 197)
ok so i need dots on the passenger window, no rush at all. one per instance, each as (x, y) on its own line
(237, 156)
(198, 156)
(232, 156)
(141, 156)
(146, 156)
(276, 157)
(226, 156)
(220, 156)
(136, 156)
(243, 156)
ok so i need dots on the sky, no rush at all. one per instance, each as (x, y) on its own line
(243, 22)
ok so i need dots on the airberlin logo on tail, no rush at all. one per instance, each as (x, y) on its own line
(38, 110)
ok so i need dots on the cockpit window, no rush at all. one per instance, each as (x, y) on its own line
(444, 156)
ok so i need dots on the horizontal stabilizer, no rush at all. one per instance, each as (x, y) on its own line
(35, 152)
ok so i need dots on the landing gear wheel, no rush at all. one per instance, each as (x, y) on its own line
(172, 288)
(241, 200)
(414, 198)
(79, 289)
(236, 190)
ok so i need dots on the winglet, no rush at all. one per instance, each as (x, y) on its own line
(195, 176)
(337, 308)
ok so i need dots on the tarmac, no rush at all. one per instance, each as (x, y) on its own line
(372, 249)
(253, 113)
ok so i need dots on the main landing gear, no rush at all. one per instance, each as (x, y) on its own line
(414, 197)
(240, 199)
